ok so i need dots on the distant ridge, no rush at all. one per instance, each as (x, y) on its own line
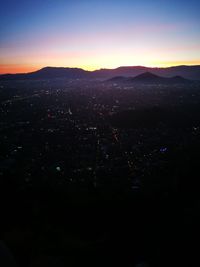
(48, 73)
(57, 72)
(149, 78)
(178, 72)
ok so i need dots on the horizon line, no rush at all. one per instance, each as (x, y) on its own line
(82, 68)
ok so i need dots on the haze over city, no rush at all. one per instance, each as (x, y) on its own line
(98, 34)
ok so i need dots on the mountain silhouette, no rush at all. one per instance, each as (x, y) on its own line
(149, 78)
(178, 78)
(49, 73)
(187, 72)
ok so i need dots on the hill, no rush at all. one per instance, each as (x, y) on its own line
(49, 73)
(150, 78)
(187, 72)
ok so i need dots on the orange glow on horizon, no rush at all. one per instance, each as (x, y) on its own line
(19, 68)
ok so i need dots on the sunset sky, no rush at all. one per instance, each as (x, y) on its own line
(98, 34)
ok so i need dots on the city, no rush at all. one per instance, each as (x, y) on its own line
(97, 150)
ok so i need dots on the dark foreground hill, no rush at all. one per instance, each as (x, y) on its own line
(187, 72)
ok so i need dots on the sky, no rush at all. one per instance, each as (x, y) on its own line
(94, 34)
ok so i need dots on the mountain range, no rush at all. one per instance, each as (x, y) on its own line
(187, 72)
(150, 78)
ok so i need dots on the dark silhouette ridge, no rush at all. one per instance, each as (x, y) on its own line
(60, 72)
(49, 73)
(150, 78)
(179, 79)
(188, 72)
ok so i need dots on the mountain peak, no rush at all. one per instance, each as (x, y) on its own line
(147, 77)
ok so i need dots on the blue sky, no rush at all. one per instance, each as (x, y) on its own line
(95, 34)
